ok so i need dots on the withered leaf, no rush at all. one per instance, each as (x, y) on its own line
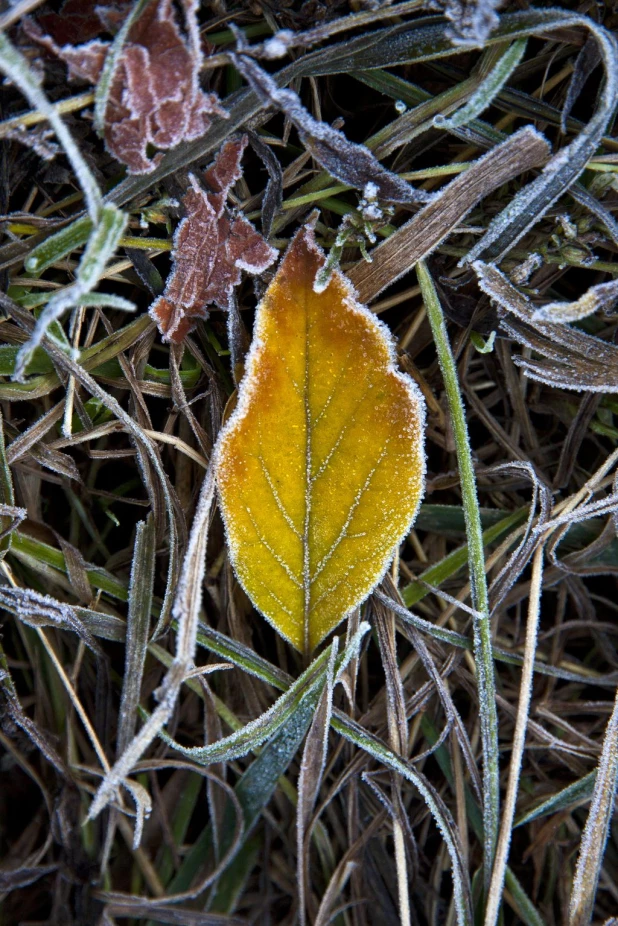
(211, 247)
(569, 358)
(154, 94)
(320, 469)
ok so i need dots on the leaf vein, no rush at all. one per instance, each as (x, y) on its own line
(353, 507)
(268, 547)
(338, 381)
(349, 422)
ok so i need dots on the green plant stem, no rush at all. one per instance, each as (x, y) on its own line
(478, 582)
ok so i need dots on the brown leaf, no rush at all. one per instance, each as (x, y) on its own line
(211, 247)
(154, 95)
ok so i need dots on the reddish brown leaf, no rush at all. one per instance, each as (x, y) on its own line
(211, 247)
(154, 96)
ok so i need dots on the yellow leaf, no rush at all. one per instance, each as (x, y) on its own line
(320, 468)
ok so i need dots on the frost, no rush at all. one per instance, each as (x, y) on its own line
(522, 272)
(570, 358)
(353, 164)
(211, 246)
(488, 89)
(154, 97)
(370, 192)
(37, 610)
(472, 20)
(603, 296)
(38, 139)
(535, 199)
(597, 829)
(569, 229)
(278, 46)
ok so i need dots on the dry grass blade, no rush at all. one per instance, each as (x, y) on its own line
(594, 837)
(138, 622)
(310, 780)
(496, 887)
(572, 359)
(384, 623)
(186, 611)
(423, 233)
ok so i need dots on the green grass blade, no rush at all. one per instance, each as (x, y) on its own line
(478, 581)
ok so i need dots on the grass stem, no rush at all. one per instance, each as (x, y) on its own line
(478, 582)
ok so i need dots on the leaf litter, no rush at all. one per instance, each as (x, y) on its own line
(211, 247)
(153, 94)
(132, 405)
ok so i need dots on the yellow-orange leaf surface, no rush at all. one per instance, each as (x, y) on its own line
(320, 468)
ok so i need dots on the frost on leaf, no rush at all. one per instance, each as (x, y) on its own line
(154, 93)
(320, 469)
(211, 247)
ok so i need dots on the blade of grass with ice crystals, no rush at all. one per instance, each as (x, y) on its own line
(37, 610)
(594, 837)
(138, 620)
(258, 731)
(10, 516)
(478, 581)
(533, 200)
(102, 244)
(494, 898)
(16, 68)
(58, 245)
(490, 87)
(186, 609)
(579, 792)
